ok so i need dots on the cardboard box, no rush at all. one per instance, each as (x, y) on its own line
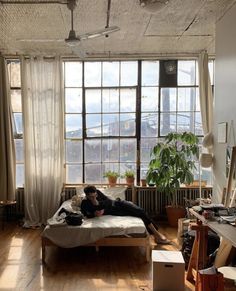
(168, 270)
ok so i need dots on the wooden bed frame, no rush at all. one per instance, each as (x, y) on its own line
(110, 242)
(115, 241)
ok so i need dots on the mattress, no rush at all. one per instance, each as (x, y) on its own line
(92, 229)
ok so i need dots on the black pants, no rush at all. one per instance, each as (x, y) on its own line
(127, 208)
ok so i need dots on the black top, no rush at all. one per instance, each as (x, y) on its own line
(88, 208)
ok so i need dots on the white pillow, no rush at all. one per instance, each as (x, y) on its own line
(77, 199)
(114, 192)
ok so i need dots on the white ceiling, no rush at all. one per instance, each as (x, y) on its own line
(182, 27)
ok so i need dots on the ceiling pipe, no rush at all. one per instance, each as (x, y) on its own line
(3, 2)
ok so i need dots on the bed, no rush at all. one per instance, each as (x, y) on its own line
(106, 230)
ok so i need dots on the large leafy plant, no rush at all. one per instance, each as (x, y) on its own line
(172, 163)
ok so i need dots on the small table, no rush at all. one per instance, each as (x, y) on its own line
(4, 205)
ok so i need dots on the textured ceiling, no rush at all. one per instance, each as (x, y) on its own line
(182, 27)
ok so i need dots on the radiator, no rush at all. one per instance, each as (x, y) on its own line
(154, 202)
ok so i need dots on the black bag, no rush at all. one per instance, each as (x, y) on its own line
(74, 218)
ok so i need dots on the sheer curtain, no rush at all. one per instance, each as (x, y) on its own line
(205, 93)
(43, 137)
(7, 145)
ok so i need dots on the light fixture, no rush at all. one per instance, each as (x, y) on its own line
(153, 6)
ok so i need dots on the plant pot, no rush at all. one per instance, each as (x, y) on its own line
(130, 181)
(173, 214)
(112, 181)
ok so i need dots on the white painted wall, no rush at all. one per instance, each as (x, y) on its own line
(225, 94)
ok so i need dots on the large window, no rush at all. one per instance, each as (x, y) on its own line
(116, 111)
(15, 91)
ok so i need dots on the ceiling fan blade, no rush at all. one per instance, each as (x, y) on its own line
(99, 33)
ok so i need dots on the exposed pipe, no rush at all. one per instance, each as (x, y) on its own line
(6, 2)
(108, 13)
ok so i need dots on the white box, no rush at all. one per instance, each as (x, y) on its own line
(168, 269)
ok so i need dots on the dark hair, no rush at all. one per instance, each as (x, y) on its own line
(90, 189)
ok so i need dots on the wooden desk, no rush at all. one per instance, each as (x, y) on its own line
(225, 230)
(198, 257)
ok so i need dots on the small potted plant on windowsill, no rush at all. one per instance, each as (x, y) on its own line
(129, 175)
(112, 177)
(171, 165)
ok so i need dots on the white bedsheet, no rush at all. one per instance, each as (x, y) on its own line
(91, 230)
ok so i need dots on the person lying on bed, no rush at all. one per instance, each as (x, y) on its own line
(98, 204)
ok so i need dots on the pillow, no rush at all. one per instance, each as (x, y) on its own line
(77, 199)
(114, 192)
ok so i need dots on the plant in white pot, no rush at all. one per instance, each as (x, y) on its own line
(172, 164)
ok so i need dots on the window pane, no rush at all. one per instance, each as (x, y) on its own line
(186, 99)
(92, 74)
(74, 151)
(110, 150)
(93, 151)
(93, 101)
(73, 125)
(110, 100)
(16, 100)
(110, 124)
(127, 167)
(198, 124)
(129, 73)
(73, 74)
(20, 175)
(143, 170)
(147, 144)
(186, 73)
(197, 100)
(15, 74)
(73, 100)
(149, 124)
(18, 123)
(74, 174)
(110, 74)
(150, 73)
(127, 124)
(127, 150)
(19, 150)
(127, 100)
(167, 123)
(93, 125)
(93, 174)
(149, 99)
(168, 99)
(185, 122)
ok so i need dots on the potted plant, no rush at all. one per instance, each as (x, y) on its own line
(129, 175)
(172, 163)
(112, 177)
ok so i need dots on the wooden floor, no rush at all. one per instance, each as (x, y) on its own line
(112, 268)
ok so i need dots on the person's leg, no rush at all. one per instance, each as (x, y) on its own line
(131, 209)
(159, 237)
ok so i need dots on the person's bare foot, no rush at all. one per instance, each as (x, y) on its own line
(163, 241)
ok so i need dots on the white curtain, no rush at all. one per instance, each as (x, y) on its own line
(7, 145)
(43, 137)
(205, 93)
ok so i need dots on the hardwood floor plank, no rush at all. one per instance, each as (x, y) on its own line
(84, 269)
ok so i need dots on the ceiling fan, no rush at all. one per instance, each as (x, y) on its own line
(74, 40)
